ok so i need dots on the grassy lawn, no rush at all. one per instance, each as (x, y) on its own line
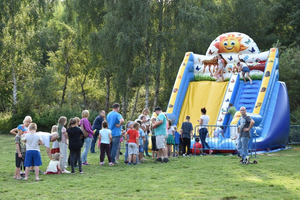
(276, 176)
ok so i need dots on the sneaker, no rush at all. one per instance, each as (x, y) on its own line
(166, 160)
(125, 162)
(247, 160)
(73, 172)
(65, 172)
(102, 163)
(81, 172)
(187, 155)
(129, 163)
(111, 164)
(41, 172)
(159, 160)
(210, 152)
(86, 163)
(134, 163)
(116, 162)
(183, 155)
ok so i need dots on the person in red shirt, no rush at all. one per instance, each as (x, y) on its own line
(197, 147)
(133, 142)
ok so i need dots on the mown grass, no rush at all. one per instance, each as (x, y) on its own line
(276, 176)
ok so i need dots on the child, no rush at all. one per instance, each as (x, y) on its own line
(171, 135)
(218, 132)
(197, 147)
(20, 151)
(221, 65)
(76, 140)
(141, 142)
(27, 120)
(177, 142)
(245, 70)
(55, 146)
(153, 137)
(62, 142)
(54, 165)
(133, 142)
(105, 138)
(129, 125)
(33, 156)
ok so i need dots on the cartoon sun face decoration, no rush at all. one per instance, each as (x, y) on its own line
(230, 44)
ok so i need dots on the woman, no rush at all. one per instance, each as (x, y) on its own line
(170, 140)
(75, 136)
(204, 119)
(88, 141)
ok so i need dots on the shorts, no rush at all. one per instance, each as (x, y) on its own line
(32, 157)
(160, 141)
(141, 148)
(19, 161)
(132, 148)
(246, 69)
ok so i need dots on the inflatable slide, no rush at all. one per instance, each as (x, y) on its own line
(197, 85)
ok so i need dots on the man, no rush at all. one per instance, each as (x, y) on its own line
(186, 132)
(97, 126)
(246, 123)
(47, 138)
(161, 134)
(115, 121)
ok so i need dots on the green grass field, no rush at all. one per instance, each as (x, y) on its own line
(276, 176)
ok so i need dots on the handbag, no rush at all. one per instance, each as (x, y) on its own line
(85, 133)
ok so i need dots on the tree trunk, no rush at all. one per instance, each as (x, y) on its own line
(83, 90)
(65, 85)
(107, 77)
(147, 75)
(135, 103)
(159, 54)
(15, 91)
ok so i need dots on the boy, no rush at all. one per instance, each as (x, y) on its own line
(197, 147)
(20, 151)
(186, 132)
(133, 142)
(177, 143)
(141, 142)
(33, 156)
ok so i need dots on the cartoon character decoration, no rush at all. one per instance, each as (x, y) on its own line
(230, 44)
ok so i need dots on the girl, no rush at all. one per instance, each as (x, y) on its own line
(62, 143)
(55, 146)
(76, 140)
(153, 137)
(221, 64)
(105, 138)
(204, 119)
(88, 141)
(245, 70)
(171, 135)
(27, 120)
(54, 165)
(129, 125)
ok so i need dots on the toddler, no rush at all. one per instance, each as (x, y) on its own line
(177, 142)
(54, 165)
(20, 151)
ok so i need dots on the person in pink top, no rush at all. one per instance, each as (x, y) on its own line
(63, 144)
(88, 141)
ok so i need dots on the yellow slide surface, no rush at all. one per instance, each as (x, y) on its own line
(202, 94)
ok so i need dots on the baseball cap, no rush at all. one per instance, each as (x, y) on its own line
(157, 108)
(22, 127)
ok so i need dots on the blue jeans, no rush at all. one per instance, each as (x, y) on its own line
(87, 145)
(114, 147)
(146, 146)
(242, 146)
(203, 132)
(126, 152)
(95, 137)
(175, 149)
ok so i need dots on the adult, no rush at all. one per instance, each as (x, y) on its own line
(47, 138)
(204, 119)
(76, 140)
(161, 134)
(246, 123)
(97, 126)
(186, 132)
(115, 121)
(88, 140)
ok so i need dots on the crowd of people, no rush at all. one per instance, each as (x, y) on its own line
(80, 133)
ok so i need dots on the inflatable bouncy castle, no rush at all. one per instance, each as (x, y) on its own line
(197, 85)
